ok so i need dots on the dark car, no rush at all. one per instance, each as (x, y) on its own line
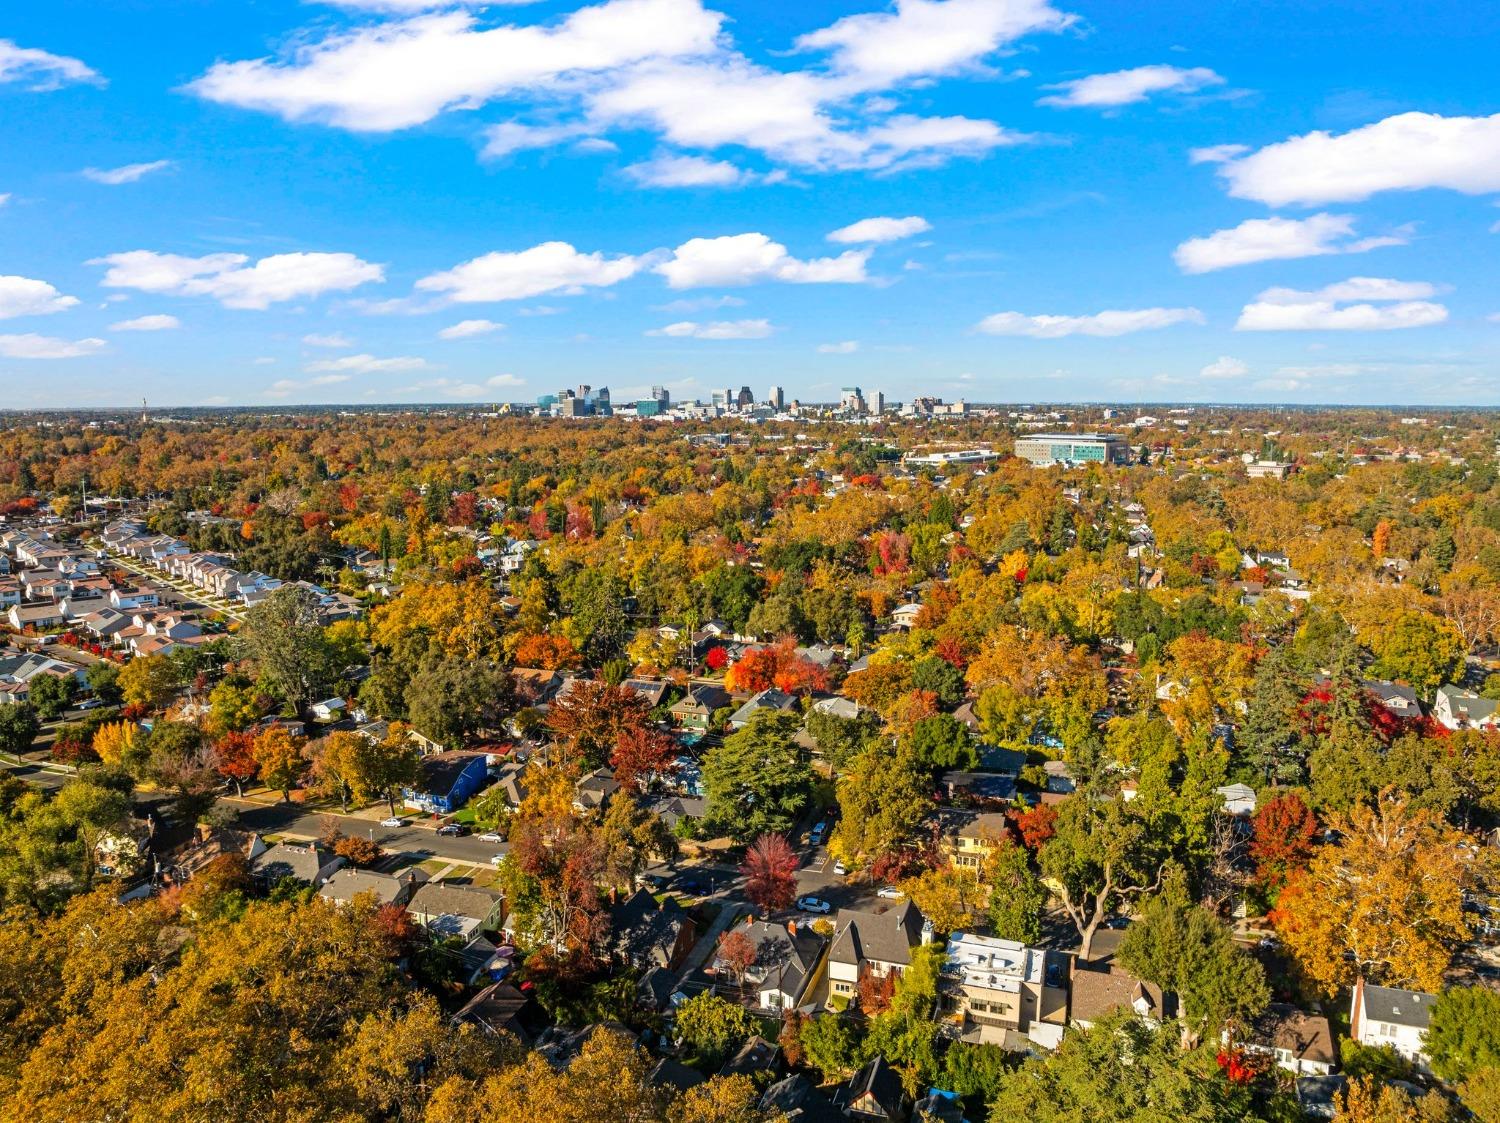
(453, 829)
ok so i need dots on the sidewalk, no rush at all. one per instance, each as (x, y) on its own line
(729, 912)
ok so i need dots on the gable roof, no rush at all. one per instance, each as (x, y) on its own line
(1099, 993)
(886, 936)
(1409, 1008)
(1305, 1036)
(466, 901)
(878, 1085)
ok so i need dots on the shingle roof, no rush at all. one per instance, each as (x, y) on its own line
(436, 899)
(886, 936)
(1399, 1007)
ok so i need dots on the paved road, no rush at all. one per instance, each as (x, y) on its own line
(32, 772)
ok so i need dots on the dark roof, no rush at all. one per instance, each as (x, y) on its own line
(674, 1074)
(467, 901)
(879, 1082)
(887, 936)
(645, 932)
(655, 988)
(1399, 1007)
(797, 1100)
(347, 883)
(652, 690)
(290, 859)
(438, 773)
(786, 958)
(755, 1055)
(701, 696)
(987, 785)
(1316, 1094)
(497, 1009)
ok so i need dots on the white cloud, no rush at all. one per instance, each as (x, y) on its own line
(926, 38)
(1346, 306)
(1407, 152)
(880, 230)
(228, 279)
(847, 347)
(24, 296)
(743, 259)
(402, 73)
(688, 171)
(42, 69)
(1126, 87)
(263, 361)
(336, 340)
(718, 329)
(4, 198)
(504, 381)
(157, 322)
(1107, 323)
(127, 174)
(1276, 239)
(699, 303)
(366, 364)
(1224, 367)
(663, 65)
(467, 329)
(1217, 153)
(549, 267)
(46, 347)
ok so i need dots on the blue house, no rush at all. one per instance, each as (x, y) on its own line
(446, 781)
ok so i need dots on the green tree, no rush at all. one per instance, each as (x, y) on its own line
(1463, 1036)
(1269, 742)
(942, 743)
(756, 782)
(104, 680)
(713, 1026)
(1017, 895)
(1184, 949)
(839, 739)
(939, 676)
(1420, 649)
(1099, 857)
(451, 699)
(599, 627)
(283, 635)
(829, 1045)
(1122, 1070)
(884, 799)
(52, 694)
(18, 728)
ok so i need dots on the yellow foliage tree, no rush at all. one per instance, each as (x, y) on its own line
(114, 740)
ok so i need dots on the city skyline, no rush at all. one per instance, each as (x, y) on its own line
(996, 200)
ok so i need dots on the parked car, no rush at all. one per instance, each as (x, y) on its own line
(652, 880)
(813, 904)
(90, 704)
(393, 821)
(692, 887)
(890, 893)
(497, 859)
(839, 868)
(816, 837)
(491, 836)
(453, 830)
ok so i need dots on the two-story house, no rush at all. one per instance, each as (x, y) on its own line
(993, 987)
(872, 943)
(1395, 1018)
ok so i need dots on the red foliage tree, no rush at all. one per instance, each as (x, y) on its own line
(234, 759)
(892, 553)
(717, 658)
(770, 871)
(778, 665)
(464, 510)
(641, 752)
(1282, 839)
(1037, 825)
(394, 926)
(876, 991)
(951, 650)
(588, 721)
(736, 953)
(349, 495)
(466, 567)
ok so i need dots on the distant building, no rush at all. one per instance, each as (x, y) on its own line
(744, 399)
(1073, 448)
(852, 399)
(877, 403)
(1268, 470)
(777, 399)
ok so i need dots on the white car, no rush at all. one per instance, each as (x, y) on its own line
(840, 869)
(890, 893)
(393, 821)
(813, 904)
(497, 859)
(490, 836)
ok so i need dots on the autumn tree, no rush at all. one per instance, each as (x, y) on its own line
(713, 1026)
(949, 896)
(234, 759)
(589, 719)
(1385, 902)
(770, 872)
(149, 682)
(279, 758)
(1283, 832)
(885, 798)
(283, 636)
(737, 953)
(642, 753)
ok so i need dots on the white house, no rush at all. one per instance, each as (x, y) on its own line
(1456, 708)
(1397, 1018)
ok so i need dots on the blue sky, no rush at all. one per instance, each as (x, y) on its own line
(209, 202)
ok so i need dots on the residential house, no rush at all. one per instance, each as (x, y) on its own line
(978, 787)
(971, 838)
(1301, 1043)
(1097, 994)
(594, 791)
(673, 809)
(874, 1093)
(1456, 708)
(654, 691)
(1397, 1018)
(307, 862)
(786, 961)
(877, 944)
(37, 617)
(330, 709)
(770, 699)
(905, 616)
(840, 707)
(455, 910)
(796, 1100)
(499, 1008)
(695, 709)
(667, 1073)
(445, 781)
(383, 888)
(646, 933)
(994, 989)
(510, 778)
(1318, 1096)
(755, 1056)
(1239, 799)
